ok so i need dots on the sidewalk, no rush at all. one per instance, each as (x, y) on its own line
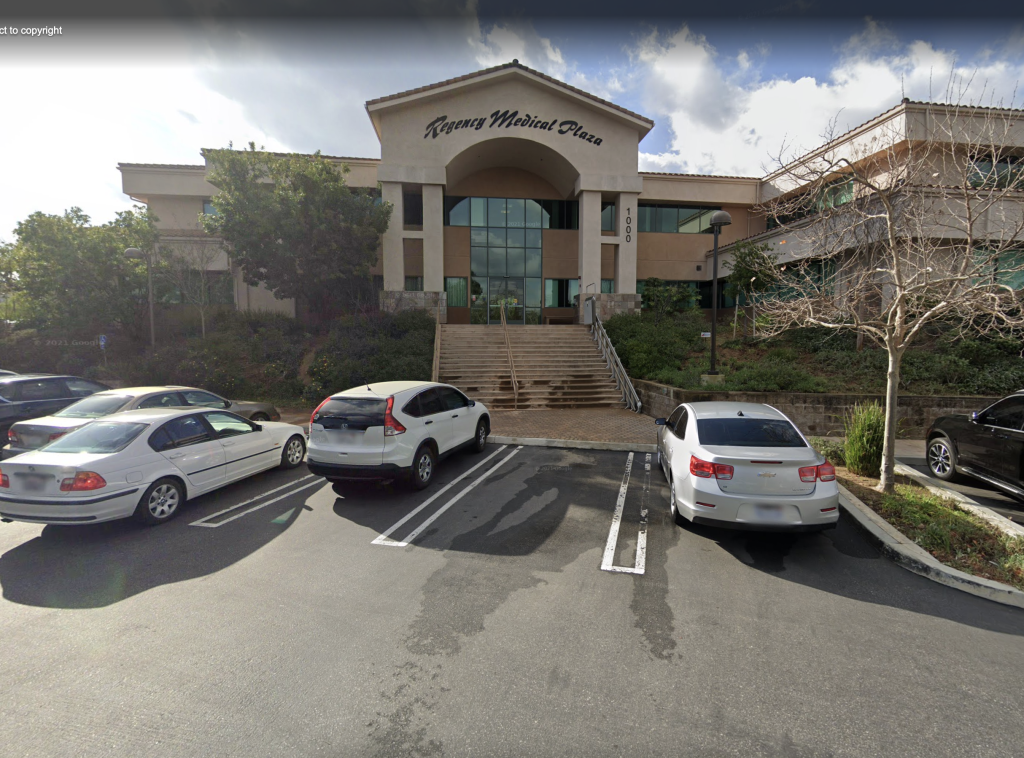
(591, 428)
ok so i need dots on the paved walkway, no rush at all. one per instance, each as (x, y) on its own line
(602, 425)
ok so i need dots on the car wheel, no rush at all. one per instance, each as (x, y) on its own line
(259, 417)
(294, 450)
(338, 487)
(161, 502)
(677, 517)
(942, 459)
(480, 441)
(423, 464)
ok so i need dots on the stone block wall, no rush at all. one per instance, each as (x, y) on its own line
(394, 302)
(611, 304)
(816, 414)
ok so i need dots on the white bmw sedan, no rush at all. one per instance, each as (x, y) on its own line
(142, 463)
(745, 466)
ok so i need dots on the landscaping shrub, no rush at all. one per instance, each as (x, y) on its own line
(648, 347)
(833, 450)
(865, 436)
(772, 376)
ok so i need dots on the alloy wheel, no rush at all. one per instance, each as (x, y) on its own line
(939, 458)
(163, 501)
(425, 467)
(672, 498)
(294, 452)
(481, 435)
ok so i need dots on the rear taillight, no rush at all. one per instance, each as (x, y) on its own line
(83, 480)
(316, 411)
(12, 436)
(706, 470)
(4, 481)
(56, 436)
(391, 425)
(826, 472)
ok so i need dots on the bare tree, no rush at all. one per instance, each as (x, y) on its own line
(914, 219)
(190, 267)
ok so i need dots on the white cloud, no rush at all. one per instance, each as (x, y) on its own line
(722, 125)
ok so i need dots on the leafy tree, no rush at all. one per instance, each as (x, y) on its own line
(752, 269)
(189, 268)
(293, 225)
(664, 299)
(70, 275)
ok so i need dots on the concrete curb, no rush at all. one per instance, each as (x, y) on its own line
(911, 556)
(935, 486)
(625, 447)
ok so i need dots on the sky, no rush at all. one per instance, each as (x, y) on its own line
(156, 83)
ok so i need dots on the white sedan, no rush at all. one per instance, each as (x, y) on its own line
(745, 466)
(142, 463)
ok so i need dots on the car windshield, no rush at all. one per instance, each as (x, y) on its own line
(94, 406)
(748, 432)
(97, 437)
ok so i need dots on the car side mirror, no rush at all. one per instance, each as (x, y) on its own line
(472, 403)
(227, 404)
(975, 417)
(258, 427)
(660, 421)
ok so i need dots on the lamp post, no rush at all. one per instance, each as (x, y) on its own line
(718, 220)
(135, 254)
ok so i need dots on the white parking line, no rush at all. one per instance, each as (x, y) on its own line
(385, 540)
(202, 521)
(607, 562)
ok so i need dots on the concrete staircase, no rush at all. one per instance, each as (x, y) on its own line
(556, 366)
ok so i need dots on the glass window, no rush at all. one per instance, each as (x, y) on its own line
(228, 424)
(561, 293)
(478, 293)
(668, 219)
(163, 400)
(533, 293)
(160, 440)
(607, 217)
(430, 402)
(357, 413)
(412, 408)
(458, 211)
(533, 214)
(95, 406)
(185, 430)
(748, 432)
(515, 213)
(689, 220)
(457, 289)
(82, 387)
(97, 437)
(414, 284)
(496, 261)
(515, 265)
(478, 211)
(1007, 414)
(496, 237)
(412, 209)
(515, 237)
(645, 218)
(478, 261)
(496, 211)
(478, 236)
(607, 286)
(533, 316)
(208, 208)
(679, 427)
(43, 389)
(205, 399)
(452, 399)
(533, 262)
(534, 237)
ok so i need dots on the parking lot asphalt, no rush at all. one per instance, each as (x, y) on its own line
(494, 613)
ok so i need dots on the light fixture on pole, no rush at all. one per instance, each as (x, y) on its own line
(718, 220)
(135, 254)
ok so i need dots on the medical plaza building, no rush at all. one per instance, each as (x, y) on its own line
(509, 187)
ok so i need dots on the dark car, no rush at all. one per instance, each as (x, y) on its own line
(988, 445)
(26, 396)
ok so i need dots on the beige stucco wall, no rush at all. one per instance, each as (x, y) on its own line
(504, 182)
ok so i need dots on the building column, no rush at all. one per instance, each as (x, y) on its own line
(391, 242)
(625, 257)
(589, 244)
(433, 238)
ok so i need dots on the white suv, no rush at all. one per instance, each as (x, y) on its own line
(393, 429)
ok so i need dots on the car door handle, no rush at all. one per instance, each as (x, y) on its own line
(226, 443)
(175, 456)
(426, 423)
(456, 415)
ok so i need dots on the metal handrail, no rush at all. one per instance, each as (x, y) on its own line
(511, 363)
(435, 370)
(629, 395)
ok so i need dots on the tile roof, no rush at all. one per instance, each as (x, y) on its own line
(703, 176)
(514, 64)
(162, 165)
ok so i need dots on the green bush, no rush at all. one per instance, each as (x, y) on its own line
(772, 376)
(833, 450)
(648, 347)
(865, 436)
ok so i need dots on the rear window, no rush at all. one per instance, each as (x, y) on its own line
(97, 437)
(94, 406)
(357, 413)
(748, 432)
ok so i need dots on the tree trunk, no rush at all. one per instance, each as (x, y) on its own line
(735, 319)
(860, 341)
(892, 382)
(202, 321)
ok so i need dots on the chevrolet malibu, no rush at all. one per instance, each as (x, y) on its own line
(745, 466)
(141, 463)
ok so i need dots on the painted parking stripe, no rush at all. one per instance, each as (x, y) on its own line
(384, 538)
(607, 562)
(204, 521)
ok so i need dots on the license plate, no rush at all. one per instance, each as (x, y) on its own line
(769, 512)
(34, 482)
(318, 437)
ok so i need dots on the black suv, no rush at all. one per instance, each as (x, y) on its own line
(27, 396)
(988, 445)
